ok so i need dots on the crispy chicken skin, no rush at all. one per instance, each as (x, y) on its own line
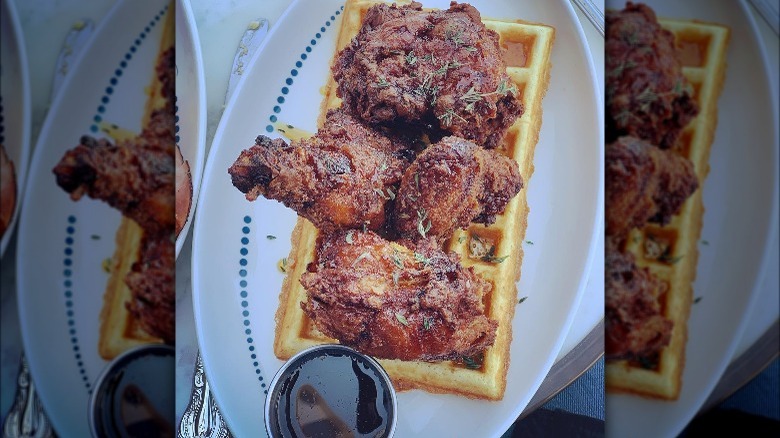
(644, 183)
(451, 184)
(635, 325)
(340, 178)
(647, 95)
(151, 279)
(439, 70)
(396, 303)
(136, 176)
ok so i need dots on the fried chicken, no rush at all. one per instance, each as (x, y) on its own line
(340, 178)
(151, 280)
(451, 184)
(635, 325)
(644, 183)
(136, 176)
(438, 70)
(647, 95)
(396, 303)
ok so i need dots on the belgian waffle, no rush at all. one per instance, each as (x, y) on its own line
(119, 329)
(670, 252)
(494, 251)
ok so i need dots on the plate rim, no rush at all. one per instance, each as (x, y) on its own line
(38, 367)
(22, 166)
(200, 157)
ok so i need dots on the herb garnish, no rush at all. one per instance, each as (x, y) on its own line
(270, 237)
(521, 300)
(411, 58)
(446, 118)
(401, 318)
(396, 257)
(427, 323)
(471, 363)
(349, 237)
(421, 227)
(361, 257)
(422, 259)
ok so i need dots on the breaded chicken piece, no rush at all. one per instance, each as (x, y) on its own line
(135, 176)
(442, 71)
(647, 94)
(644, 183)
(636, 328)
(340, 178)
(451, 184)
(393, 302)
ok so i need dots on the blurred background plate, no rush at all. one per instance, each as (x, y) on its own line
(63, 244)
(190, 104)
(740, 223)
(15, 109)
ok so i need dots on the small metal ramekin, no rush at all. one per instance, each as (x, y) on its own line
(154, 380)
(320, 351)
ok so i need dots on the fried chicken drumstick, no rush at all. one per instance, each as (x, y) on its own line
(438, 70)
(340, 178)
(644, 183)
(451, 184)
(393, 302)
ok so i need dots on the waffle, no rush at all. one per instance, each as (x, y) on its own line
(119, 330)
(670, 252)
(479, 247)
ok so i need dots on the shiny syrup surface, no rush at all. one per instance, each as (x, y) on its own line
(333, 395)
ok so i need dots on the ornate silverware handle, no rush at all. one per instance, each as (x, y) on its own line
(26, 417)
(201, 418)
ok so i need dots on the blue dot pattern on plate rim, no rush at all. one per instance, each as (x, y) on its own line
(67, 283)
(298, 65)
(247, 219)
(109, 91)
(243, 283)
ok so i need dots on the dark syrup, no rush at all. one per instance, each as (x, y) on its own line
(335, 395)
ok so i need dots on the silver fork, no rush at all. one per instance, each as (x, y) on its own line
(592, 13)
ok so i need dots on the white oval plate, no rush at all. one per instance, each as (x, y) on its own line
(62, 243)
(190, 104)
(235, 279)
(739, 195)
(15, 110)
